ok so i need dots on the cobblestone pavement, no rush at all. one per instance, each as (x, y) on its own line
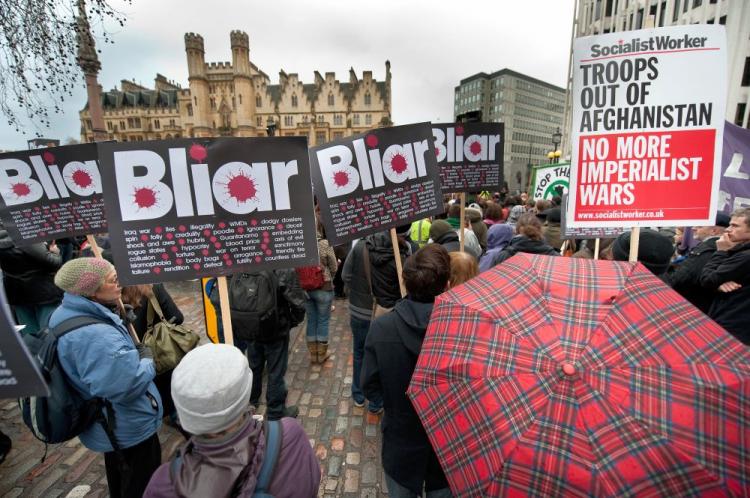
(346, 439)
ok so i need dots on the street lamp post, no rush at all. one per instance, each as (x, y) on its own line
(270, 127)
(556, 139)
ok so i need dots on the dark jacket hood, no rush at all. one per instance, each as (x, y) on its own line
(447, 237)
(417, 317)
(381, 249)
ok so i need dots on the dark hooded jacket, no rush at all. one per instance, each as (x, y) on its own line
(731, 310)
(521, 243)
(450, 241)
(384, 275)
(29, 272)
(391, 351)
(219, 467)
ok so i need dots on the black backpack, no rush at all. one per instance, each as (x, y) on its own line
(252, 302)
(64, 414)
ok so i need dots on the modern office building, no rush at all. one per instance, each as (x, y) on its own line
(237, 99)
(607, 16)
(531, 109)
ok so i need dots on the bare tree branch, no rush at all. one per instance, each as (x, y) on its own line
(38, 50)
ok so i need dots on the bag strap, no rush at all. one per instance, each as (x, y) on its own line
(273, 448)
(154, 305)
(368, 270)
(74, 323)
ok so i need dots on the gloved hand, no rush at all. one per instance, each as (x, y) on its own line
(144, 351)
(129, 314)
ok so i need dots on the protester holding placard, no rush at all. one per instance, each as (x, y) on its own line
(29, 281)
(101, 360)
(319, 298)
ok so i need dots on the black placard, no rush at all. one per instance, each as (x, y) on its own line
(189, 208)
(470, 156)
(51, 193)
(377, 180)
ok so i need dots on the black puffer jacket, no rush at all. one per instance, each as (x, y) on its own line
(29, 272)
(686, 277)
(521, 243)
(731, 310)
(385, 286)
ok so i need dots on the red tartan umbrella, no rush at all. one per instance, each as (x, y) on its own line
(553, 376)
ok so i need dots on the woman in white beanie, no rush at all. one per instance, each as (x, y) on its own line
(211, 391)
(101, 360)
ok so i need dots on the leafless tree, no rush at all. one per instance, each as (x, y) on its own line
(38, 54)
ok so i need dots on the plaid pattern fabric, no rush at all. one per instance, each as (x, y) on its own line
(659, 404)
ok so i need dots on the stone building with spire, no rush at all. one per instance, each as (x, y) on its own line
(237, 99)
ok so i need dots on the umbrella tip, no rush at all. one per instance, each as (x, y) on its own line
(568, 369)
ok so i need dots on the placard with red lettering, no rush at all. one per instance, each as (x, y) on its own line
(648, 119)
(470, 156)
(52, 193)
(375, 181)
(188, 208)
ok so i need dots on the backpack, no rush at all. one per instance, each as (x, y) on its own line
(252, 303)
(310, 277)
(274, 435)
(64, 414)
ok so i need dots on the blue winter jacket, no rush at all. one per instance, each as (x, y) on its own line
(101, 360)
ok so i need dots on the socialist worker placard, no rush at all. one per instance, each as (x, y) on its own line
(648, 118)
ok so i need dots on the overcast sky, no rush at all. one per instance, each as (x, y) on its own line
(432, 45)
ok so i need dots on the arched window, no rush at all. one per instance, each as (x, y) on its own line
(368, 99)
(294, 100)
(240, 97)
(258, 101)
(330, 99)
(190, 109)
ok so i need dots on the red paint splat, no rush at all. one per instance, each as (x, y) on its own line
(156, 270)
(173, 249)
(144, 238)
(459, 130)
(48, 157)
(207, 232)
(264, 246)
(240, 230)
(226, 255)
(178, 261)
(217, 245)
(181, 242)
(258, 259)
(198, 152)
(371, 141)
(157, 229)
(182, 228)
(341, 179)
(222, 225)
(196, 267)
(82, 178)
(212, 239)
(165, 256)
(242, 188)
(169, 236)
(280, 226)
(254, 222)
(229, 262)
(268, 252)
(437, 152)
(475, 148)
(21, 190)
(145, 197)
(205, 252)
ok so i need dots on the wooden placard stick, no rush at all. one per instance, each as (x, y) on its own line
(397, 257)
(462, 200)
(635, 236)
(226, 315)
(120, 306)
(596, 248)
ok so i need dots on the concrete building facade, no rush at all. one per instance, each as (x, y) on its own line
(237, 99)
(531, 109)
(608, 16)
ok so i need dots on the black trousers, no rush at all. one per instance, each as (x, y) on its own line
(275, 355)
(128, 477)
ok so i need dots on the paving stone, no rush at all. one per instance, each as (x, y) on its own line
(337, 444)
(371, 430)
(351, 481)
(321, 452)
(355, 437)
(342, 423)
(334, 466)
(14, 493)
(369, 473)
(305, 399)
(314, 413)
(331, 484)
(352, 458)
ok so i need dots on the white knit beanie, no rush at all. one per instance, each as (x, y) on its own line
(211, 388)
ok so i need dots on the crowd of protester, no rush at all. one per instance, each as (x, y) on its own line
(213, 394)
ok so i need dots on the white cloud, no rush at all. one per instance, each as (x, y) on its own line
(431, 45)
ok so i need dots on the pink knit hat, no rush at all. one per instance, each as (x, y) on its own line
(83, 276)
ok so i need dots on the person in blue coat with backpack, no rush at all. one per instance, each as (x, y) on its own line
(101, 360)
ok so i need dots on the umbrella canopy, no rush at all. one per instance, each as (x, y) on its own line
(551, 376)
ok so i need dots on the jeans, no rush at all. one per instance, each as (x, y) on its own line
(359, 334)
(395, 490)
(276, 355)
(34, 316)
(318, 306)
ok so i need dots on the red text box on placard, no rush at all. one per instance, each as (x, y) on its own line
(653, 176)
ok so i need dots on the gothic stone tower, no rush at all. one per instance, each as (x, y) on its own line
(198, 83)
